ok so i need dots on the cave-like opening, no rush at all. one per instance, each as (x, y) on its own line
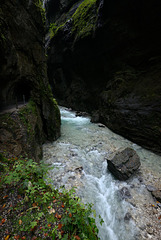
(14, 95)
(22, 91)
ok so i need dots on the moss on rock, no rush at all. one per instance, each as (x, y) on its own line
(23, 72)
(21, 132)
(84, 19)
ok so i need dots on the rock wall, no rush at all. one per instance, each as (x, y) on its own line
(105, 58)
(21, 132)
(23, 69)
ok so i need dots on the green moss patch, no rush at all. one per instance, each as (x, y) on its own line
(25, 113)
(84, 18)
(83, 21)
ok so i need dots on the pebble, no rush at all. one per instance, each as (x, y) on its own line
(150, 230)
(142, 227)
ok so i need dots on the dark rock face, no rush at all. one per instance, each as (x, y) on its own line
(111, 65)
(95, 117)
(21, 132)
(124, 164)
(23, 71)
(56, 8)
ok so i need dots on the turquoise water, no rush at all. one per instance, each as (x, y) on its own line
(79, 157)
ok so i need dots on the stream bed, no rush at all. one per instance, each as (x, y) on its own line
(79, 160)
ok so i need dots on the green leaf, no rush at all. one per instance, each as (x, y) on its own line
(40, 214)
(33, 224)
(60, 235)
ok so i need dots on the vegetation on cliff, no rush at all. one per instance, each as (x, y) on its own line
(39, 5)
(21, 131)
(84, 18)
(31, 209)
(82, 21)
(115, 54)
(23, 74)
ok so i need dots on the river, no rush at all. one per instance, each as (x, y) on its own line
(79, 157)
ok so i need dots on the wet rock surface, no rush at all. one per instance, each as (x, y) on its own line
(114, 67)
(74, 164)
(124, 164)
(21, 133)
(146, 211)
(23, 76)
(124, 193)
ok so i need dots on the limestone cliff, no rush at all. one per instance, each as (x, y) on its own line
(23, 74)
(105, 57)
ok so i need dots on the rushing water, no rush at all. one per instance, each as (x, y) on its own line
(79, 157)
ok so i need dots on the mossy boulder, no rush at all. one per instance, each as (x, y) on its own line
(21, 132)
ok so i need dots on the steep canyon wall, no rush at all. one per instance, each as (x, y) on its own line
(105, 58)
(23, 75)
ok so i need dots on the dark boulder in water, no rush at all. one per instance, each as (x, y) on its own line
(124, 164)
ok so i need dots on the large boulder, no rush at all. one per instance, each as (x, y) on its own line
(124, 163)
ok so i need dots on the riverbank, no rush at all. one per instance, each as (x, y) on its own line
(79, 157)
(146, 211)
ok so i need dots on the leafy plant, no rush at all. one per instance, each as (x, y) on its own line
(56, 213)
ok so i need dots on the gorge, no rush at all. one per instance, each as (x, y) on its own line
(101, 58)
(79, 159)
(104, 58)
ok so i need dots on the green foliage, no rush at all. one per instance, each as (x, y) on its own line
(43, 210)
(39, 4)
(84, 18)
(25, 170)
(77, 219)
(54, 28)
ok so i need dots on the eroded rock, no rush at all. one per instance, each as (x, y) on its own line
(124, 164)
(125, 193)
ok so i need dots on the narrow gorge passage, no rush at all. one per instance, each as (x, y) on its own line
(79, 157)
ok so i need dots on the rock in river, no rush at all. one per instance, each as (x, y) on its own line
(124, 163)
